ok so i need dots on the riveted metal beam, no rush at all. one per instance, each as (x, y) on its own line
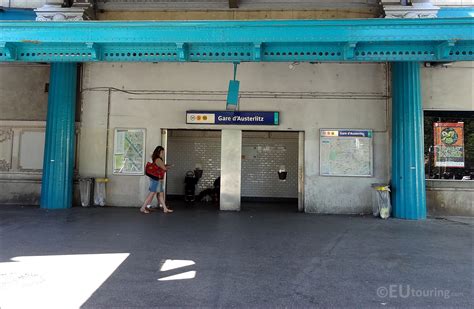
(371, 40)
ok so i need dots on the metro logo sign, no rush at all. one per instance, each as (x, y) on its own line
(329, 133)
(200, 118)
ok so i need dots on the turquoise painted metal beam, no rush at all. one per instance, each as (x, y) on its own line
(58, 163)
(369, 40)
(408, 166)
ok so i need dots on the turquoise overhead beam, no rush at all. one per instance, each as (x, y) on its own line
(58, 163)
(369, 40)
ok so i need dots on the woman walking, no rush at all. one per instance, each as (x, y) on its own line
(157, 186)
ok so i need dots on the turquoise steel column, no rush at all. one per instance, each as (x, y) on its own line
(56, 188)
(408, 169)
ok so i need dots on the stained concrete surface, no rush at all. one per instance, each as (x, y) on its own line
(264, 256)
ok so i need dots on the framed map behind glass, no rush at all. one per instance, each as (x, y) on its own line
(346, 152)
(129, 149)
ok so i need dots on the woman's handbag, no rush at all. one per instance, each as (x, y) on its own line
(154, 171)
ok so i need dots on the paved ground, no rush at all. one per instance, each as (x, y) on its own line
(264, 256)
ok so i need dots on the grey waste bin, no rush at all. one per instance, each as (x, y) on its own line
(85, 188)
(381, 205)
(100, 192)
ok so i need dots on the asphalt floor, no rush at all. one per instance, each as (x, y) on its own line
(265, 256)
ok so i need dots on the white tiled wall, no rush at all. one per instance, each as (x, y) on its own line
(266, 153)
(262, 155)
(188, 148)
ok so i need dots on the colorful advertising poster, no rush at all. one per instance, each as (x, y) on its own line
(449, 144)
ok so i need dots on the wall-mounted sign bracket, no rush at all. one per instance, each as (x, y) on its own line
(444, 49)
(94, 50)
(257, 51)
(349, 50)
(233, 92)
(9, 50)
(181, 51)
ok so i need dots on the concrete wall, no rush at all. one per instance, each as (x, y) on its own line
(453, 3)
(23, 106)
(448, 88)
(316, 96)
(448, 198)
(21, 161)
(23, 4)
(22, 91)
(309, 97)
(238, 14)
(248, 10)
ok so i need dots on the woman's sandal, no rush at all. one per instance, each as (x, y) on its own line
(145, 211)
(167, 211)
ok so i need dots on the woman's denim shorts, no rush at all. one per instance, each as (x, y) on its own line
(156, 186)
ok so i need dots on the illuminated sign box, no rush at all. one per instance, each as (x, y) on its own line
(233, 118)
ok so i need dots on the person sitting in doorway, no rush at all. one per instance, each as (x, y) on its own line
(212, 194)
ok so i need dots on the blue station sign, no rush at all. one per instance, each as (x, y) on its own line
(233, 118)
(347, 133)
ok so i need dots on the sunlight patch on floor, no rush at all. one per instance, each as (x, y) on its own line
(55, 281)
(176, 264)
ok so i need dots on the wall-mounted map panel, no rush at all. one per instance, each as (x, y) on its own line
(129, 149)
(346, 152)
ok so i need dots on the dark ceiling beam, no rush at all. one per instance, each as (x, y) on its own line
(233, 4)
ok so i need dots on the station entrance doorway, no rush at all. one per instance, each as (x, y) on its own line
(271, 168)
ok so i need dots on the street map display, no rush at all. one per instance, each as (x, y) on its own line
(129, 151)
(346, 152)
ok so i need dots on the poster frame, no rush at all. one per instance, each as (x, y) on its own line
(142, 170)
(371, 153)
